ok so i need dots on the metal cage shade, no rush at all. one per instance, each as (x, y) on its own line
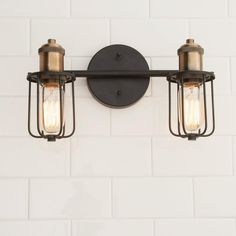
(62, 78)
(179, 79)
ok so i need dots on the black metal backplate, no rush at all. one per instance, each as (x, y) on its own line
(118, 92)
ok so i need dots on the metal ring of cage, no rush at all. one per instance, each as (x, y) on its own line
(68, 77)
(193, 74)
(179, 79)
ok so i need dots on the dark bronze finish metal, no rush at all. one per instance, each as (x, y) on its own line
(63, 78)
(118, 91)
(179, 79)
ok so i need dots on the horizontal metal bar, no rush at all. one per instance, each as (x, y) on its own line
(120, 73)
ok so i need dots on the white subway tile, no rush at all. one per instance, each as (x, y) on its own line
(160, 84)
(195, 227)
(111, 156)
(81, 87)
(153, 197)
(215, 197)
(234, 155)
(15, 37)
(113, 227)
(78, 37)
(232, 8)
(13, 116)
(216, 36)
(110, 8)
(135, 120)
(34, 228)
(33, 157)
(160, 116)
(178, 157)
(14, 71)
(13, 199)
(221, 68)
(34, 8)
(188, 8)
(92, 118)
(225, 115)
(150, 37)
(233, 75)
(72, 198)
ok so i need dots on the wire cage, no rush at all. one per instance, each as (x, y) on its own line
(193, 117)
(60, 81)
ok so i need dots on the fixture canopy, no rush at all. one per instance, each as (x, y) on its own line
(118, 76)
(118, 91)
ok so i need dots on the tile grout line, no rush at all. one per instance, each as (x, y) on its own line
(112, 202)
(232, 145)
(152, 158)
(228, 8)
(110, 23)
(110, 131)
(193, 191)
(154, 227)
(64, 177)
(235, 224)
(189, 28)
(230, 76)
(28, 198)
(30, 36)
(53, 219)
(71, 231)
(70, 8)
(66, 17)
(70, 159)
(149, 8)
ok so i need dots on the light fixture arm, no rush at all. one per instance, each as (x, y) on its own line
(124, 73)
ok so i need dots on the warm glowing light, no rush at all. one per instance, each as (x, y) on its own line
(193, 108)
(51, 115)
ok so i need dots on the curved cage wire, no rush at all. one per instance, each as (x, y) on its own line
(62, 78)
(178, 80)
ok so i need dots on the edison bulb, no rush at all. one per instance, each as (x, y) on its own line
(51, 109)
(193, 107)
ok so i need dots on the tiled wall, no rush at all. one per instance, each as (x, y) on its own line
(122, 173)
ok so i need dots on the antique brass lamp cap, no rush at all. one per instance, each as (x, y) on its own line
(51, 56)
(190, 56)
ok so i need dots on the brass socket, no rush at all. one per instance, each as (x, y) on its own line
(51, 57)
(190, 56)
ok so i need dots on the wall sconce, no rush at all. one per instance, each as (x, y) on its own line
(118, 76)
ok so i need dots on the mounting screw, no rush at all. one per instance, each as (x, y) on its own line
(118, 56)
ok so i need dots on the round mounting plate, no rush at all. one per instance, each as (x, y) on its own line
(117, 91)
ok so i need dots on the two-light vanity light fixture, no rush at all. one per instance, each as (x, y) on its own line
(118, 76)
